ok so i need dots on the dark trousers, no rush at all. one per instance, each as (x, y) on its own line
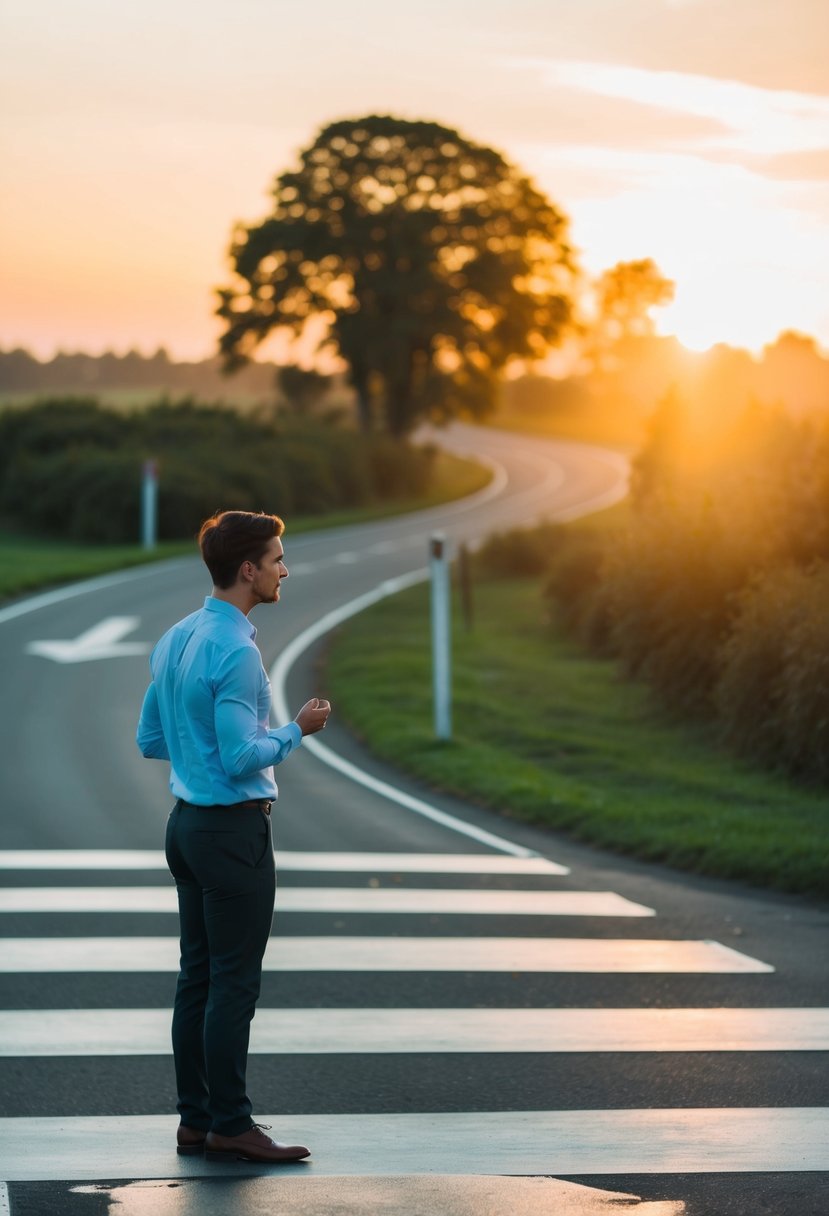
(222, 861)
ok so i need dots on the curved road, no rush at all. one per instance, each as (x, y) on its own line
(576, 1015)
(72, 775)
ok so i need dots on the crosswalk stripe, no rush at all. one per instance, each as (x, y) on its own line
(571, 1142)
(403, 863)
(449, 1194)
(334, 899)
(125, 1032)
(463, 954)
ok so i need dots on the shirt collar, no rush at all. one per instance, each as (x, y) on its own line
(232, 613)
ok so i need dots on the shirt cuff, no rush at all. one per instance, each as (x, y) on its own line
(290, 733)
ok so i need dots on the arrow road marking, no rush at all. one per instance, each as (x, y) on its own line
(102, 641)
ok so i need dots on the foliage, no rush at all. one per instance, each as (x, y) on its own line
(23, 375)
(432, 261)
(626, 294)
(714, 592)
(302, 387)
(518, 552)
(545, 733)
(72, 469)
(772, 690)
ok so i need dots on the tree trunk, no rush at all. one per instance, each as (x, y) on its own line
(359, 379)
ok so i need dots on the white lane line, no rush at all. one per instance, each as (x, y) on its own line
(346, 863)
(4, 1199)
(415, 863)
(82, 588)
(278, 677)
(335, 899)
(129, 1032)
(372, 954)
(707, 1140)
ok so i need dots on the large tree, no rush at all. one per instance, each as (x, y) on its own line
(430, 259)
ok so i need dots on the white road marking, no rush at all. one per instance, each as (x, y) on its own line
(706, 1140)
(372, 954)
(278, 677)
(127, 1032)
(280, 669)
(48, 598)
(102, 641)
(451, 1195)
(415, 863)
(335, 899)
(350, 863)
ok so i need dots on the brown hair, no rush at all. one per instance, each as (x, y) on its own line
(231, 537)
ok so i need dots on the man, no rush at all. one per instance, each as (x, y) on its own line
(207, 712)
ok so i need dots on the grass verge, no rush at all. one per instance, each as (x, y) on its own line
(28, 563)
(546, 734)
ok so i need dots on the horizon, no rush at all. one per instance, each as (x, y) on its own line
(136, 141)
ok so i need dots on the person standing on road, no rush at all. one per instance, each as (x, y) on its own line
(207, 711)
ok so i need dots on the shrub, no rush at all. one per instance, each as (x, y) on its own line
(70, 468)
(575, 576)
(752, 662)
(519, 552)
(773, 689)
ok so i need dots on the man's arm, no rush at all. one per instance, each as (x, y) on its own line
(243, 747)
(150, 735)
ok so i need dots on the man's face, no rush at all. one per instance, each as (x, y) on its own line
(270, 570)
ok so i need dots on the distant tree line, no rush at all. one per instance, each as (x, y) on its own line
(70, 468)
(618, 390)
(715, 590)
(21, 373)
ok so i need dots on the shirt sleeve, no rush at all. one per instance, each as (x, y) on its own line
(150, 735)
(245, 745)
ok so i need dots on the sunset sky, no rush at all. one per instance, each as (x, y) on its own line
(695, 132)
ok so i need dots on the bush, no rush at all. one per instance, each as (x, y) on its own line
(575, 576)
(72, 469)
(520, 552)
(752, 661)
(772, 695)
(670, 588)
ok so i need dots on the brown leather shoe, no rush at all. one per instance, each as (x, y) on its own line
(252, 1145)
(189, 1140)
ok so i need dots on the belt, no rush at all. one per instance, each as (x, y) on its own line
(261, 804)
(264, 804)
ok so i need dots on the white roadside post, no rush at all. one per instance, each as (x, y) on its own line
(441, 637)
(149, 503)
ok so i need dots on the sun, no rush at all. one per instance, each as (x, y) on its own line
(734, 311)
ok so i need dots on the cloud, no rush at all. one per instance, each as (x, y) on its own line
(766, 43)
(811, 166)
(751, 120)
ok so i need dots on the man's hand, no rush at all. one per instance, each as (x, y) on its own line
(313, 716)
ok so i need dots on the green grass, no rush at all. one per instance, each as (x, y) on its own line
(546, 734)
(28, 563)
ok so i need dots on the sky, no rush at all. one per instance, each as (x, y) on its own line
(133, 137)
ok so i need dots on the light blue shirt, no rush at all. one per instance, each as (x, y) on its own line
(207, 710)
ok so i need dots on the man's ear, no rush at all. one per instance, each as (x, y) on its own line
(247, 571)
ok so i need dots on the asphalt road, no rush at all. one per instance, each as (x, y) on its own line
(739, 1114)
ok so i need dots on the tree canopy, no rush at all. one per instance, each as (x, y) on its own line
(626, 295)
(430, 259)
